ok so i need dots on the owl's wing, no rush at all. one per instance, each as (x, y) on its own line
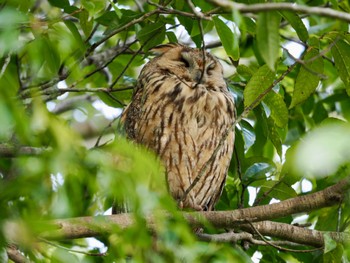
(131, 113)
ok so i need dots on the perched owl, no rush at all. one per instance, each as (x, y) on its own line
(180, 109)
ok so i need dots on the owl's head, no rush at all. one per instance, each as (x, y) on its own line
(189, 64)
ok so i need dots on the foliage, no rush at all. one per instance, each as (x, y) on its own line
(61, 60)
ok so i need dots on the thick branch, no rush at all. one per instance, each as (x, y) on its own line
(290, 235)
(301, 204)
(265, 7)
(15, 255)
(96, 226)
(294, 233)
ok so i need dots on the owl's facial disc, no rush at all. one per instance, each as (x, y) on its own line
(198, 68)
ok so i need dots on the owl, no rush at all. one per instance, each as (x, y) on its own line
(181, 108)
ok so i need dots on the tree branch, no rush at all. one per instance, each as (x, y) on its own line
(295, 234)
(72, 103)
(15, 255)
(265, 7)
(10, 151)
(96, 226)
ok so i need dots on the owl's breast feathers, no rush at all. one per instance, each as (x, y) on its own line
(183, 122)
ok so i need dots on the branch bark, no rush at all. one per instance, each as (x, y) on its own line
(96, 226)
(295, 234)
(10, 151)
(15, 255)
(265, 7)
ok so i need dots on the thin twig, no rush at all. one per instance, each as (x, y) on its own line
(71, 103)
(266, 7)
(198, 14)
(110, 88)
(97, 144)
(114, 56)
(121, 29)
(233, 237)
(203, 49)
(71, 250)
(6, 63)
(258, 200)
(263, 94)
(303, 64)
(165, 10)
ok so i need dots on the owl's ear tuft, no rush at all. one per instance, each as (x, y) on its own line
(161, 49)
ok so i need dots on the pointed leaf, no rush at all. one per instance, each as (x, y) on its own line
(258, 171)
(75, 32)
(152, 35)
(59, 3)
(330, 244)
(297, 24)
(228, 39)
(259, 82)
(307, 79)
(248, 134)
(278, 108)
(86, 22)
(268, 37)
(341, 55)
(245, 71)
(274, 189)
(274, 136)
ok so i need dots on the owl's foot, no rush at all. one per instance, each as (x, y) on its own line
(190, 205)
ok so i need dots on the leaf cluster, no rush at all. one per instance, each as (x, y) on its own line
(67, 68)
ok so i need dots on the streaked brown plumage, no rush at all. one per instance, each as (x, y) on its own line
(181, 112)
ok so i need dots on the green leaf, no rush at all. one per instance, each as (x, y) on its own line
(245, 71)
(74, 30)
(259, 83)
(248, 134)
(93, 6)
(86, 22)
(116, 9)
(129, 15)
(249, 25)
(171, 37)
(59, 3)
(275, 189)
(279, 111)
(341, 55)
(274, 136)
(52, 58)
(44, 58)
(336, 254)
(258, 171)
(329, 243)
(107, 18)
(10, 26)
(297, 24)
(61, 255)
(228, 39)
(152, 35)
(307, 79)
(268, 37)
